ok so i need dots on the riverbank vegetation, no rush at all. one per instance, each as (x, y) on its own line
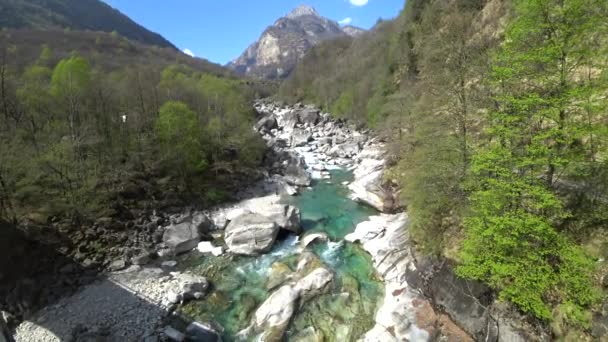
(80, 135)
(496, 114)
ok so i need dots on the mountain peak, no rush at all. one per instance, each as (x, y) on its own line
(302, 10)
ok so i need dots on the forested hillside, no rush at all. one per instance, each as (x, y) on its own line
(496, 113)
(80, 15)
(85, 132)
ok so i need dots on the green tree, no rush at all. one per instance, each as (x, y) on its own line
(34, 95)
(538, 137)
(179, 133)
(69, 84)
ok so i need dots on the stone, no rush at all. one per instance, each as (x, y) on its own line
(289, 121)
(309, 116)
(367, 185)
(206, 247)
(274, 315)
(251, 234)
(268, 123)
(285, 216)
(141, 259)
(296, 175)
(174, 335)
(314, 283)
(345, 150)
(310, 238)
(169, 264)
(118, 265)
(300, 138)
(182, 237)
(201, 332)
(191, 286)
(279, 273)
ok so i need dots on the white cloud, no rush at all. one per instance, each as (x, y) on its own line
(189, 52)
(359, 2)
(345, 21)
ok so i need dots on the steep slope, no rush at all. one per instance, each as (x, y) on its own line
(81, 15)
(465, 93)
(284, 43)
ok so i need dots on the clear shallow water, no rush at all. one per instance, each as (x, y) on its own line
(241, 284)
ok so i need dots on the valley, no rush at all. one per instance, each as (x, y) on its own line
(435, 175)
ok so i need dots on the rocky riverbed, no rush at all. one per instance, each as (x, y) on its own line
(306, 255)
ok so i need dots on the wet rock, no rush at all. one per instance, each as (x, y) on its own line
(251, 234)
(274, 315)
(201, 332)
(310, 238)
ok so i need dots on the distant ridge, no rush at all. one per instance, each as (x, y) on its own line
(79, 15)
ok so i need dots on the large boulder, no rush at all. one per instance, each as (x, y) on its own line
(182, 237)
(309, 116)
(285, 216)
(251, 234)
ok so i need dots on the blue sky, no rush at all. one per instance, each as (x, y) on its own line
(220, 30)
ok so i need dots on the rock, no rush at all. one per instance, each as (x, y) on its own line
(276, 311)
(346, 150)
(309, 116)
(251, 234)
(367, 186)
(173, 297)
(289, 121)
(274, 315)
(206, 247)
(200, 332)
(300, 138)
(182, 237)
(191, 286)
(174, 335)
(296, 175)
(285, 216)
(314, 283)
(203, 223)
(279, 273)
(141, 259)
(310, 238)
(118, 265)
(169, 264)
(268, 123)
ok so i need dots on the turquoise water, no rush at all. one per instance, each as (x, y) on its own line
(241, 284)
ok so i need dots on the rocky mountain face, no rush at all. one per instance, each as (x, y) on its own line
(78, 15)
(284, 43)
